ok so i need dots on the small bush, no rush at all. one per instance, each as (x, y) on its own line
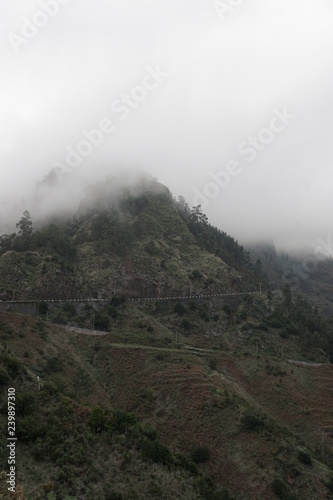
(102, 321)
(274, 322)
(25, 403)
(4, 377)
(118, 301)
(113, 495)
(208, 490)
(227, 309)
(252, 423)
(203, 312)
(157, 452)
(30, 429)
(43, 307)
(54, 364)
(200, 454)
(329, 485)
(121, 421)
(187, 464)
(284, 334)
(12, 365)
(179, 309)
(280, 489)
(304, 458)
(69, 309)
(195, 275)
(185, 324)
(161, 356)
(213, 363)
(97, 419)
(113, 311)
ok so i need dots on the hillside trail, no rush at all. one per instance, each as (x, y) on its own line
(97, 333)
(306, 363)
(190, 349)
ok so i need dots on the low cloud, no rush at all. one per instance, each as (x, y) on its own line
(225, 78)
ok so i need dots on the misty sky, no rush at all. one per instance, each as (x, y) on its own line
(182, 89)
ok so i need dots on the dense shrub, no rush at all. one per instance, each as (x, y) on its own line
(213, 362)
(179, 309)
(118, 300)
(252, 423)
(122, 421)
(155, 451)
(11, 365)
(304, 457)
(195, 275)
(185, 324)
(280, 489)
(43, 307)
(54, 364)
(329, 485)
(200, 454)
(227, 309)
(97, 419)
(25, 403)
(187, 464)
(113, 495)
(101, 321)
(30, 429)
(203, 312)
(4, 377)
(208, 490)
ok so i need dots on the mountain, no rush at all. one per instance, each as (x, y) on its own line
(309, 274)
(121, 240)
(214, 388)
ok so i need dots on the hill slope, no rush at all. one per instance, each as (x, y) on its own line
(240, 385)
(134, 243)
(266, 423)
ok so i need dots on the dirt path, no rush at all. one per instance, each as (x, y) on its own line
(97, 333)
(182, 348)
(305, 363)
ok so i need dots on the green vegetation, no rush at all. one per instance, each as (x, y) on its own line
(168, 399)
(65, 439)
(52, 236)
(211, 238)
(281, 489)
(200, 454)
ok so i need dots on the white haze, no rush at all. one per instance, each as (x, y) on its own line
(225, 79)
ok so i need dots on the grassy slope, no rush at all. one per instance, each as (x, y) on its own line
(192, 399)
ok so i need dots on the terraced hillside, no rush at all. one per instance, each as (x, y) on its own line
(255, 422)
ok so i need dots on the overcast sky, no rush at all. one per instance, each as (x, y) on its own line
(184, 89)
